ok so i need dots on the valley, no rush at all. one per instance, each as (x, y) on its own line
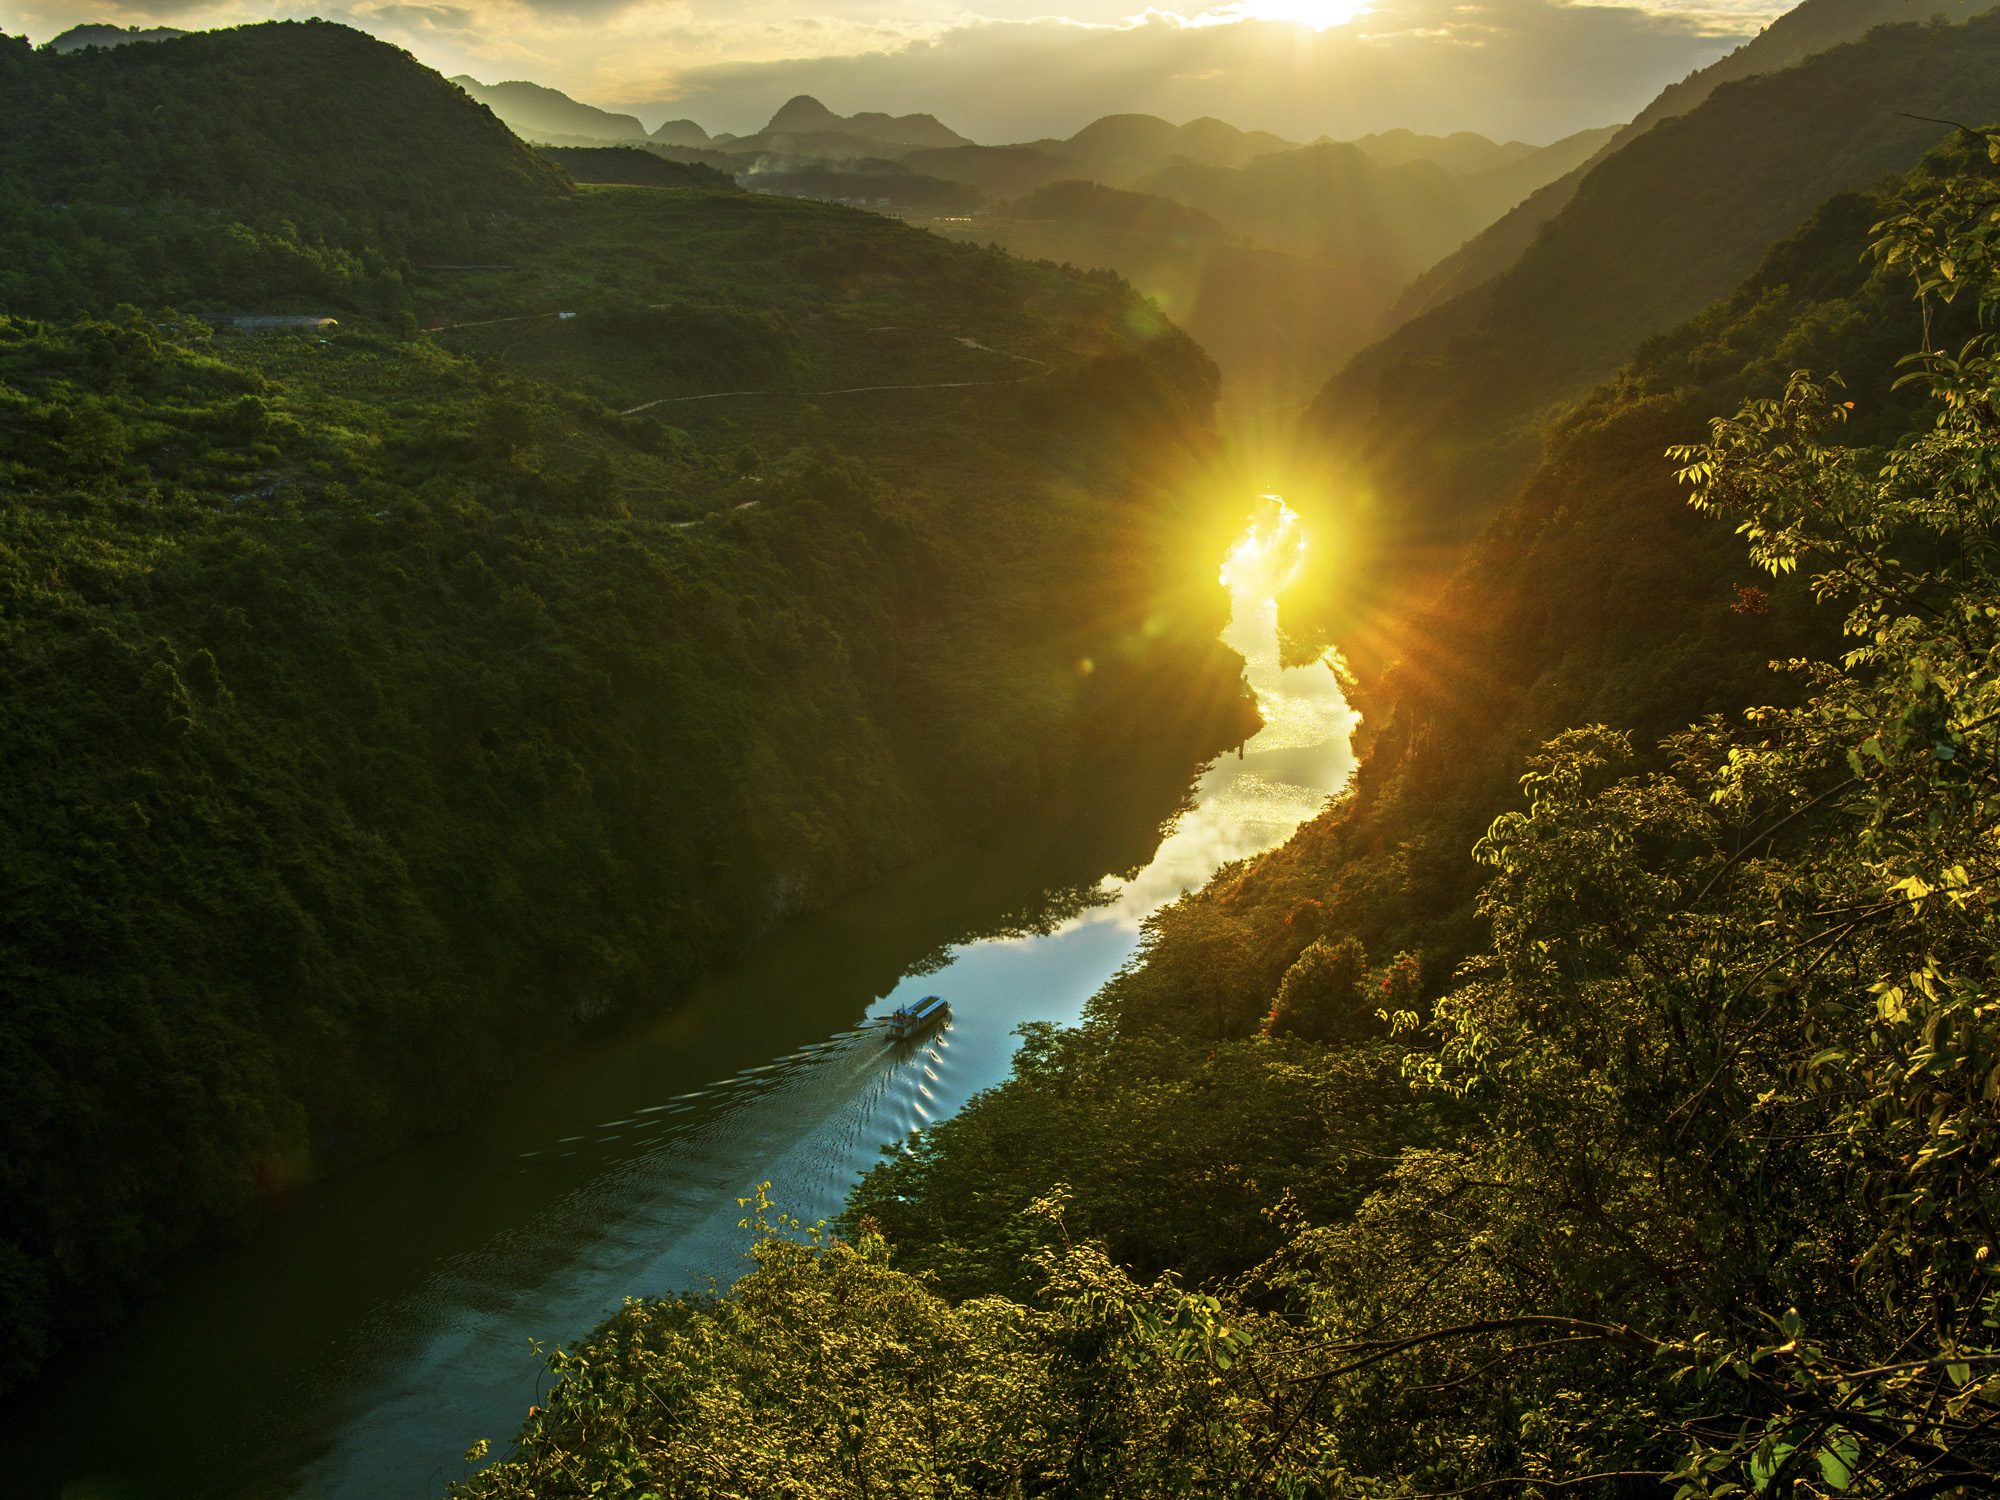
(485, 760)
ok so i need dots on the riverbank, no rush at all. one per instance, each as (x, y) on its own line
(373, 722)
(377, 1322)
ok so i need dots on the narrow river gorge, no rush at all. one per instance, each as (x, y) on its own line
(380, 1322)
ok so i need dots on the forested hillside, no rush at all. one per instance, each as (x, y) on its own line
(1813, 26)
(387, 700)
(231, 170)
(1429, 431)
(1681, 1181)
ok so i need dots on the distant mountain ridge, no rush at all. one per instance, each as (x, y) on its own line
(1126, 147)
(1461, 151)
(804, 115)
(1330, 230)
(99, 35)
(538, 113)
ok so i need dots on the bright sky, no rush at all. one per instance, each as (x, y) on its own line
(1009, 70)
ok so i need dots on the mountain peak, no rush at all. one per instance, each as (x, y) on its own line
(804, 112)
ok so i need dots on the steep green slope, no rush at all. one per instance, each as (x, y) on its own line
(1427, 432)
(286, 167)
(381, 706)
(1807, 28)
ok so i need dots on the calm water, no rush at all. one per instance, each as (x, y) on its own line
(381, 1322)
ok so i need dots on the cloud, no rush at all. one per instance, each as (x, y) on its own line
(1526, 69)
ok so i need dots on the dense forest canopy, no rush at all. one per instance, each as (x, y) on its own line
(293, 166)
(386, 701)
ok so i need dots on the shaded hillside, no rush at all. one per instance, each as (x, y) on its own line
(1272, 320)
(382, 707)
(1428, 430)
(538, 113)
(635, 168)
(878, 185)
(1500, 188)
(1810, 27)
(1334, 203)
(1000, 172)
(1316, 239)
(1157, 244)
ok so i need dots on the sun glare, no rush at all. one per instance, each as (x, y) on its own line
(1270, 554)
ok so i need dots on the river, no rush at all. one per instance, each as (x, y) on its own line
(377, 1324)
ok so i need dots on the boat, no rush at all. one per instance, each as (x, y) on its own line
(914, 1020)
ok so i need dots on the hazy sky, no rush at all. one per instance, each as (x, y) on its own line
(1008, 70)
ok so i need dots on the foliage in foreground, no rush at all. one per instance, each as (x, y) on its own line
(1715, 1212)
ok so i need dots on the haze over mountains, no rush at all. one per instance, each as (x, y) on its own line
(1435, 424)
(1293, 257)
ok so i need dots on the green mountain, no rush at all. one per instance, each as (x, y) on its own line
(1306, 1206)
(382, 703)
(265, 169)
(680, 133)
(548, 116)
(1428, 430)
